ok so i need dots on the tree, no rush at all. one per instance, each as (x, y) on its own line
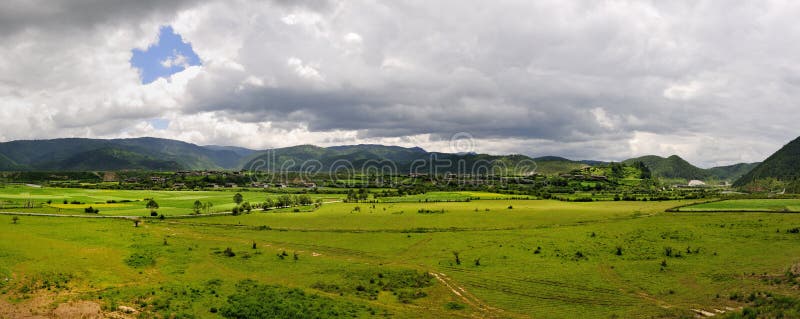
(207, 206)
(238, 199)
(304, 200)
(269, 203)
(285, 201)
(246, 207)
(152, 205)
(198, 205)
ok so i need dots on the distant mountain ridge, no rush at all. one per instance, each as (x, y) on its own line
(144, 153)
(148, 153)
(371, 157)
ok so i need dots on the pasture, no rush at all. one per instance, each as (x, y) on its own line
(127, 202)
(498, 258)
(746, 205)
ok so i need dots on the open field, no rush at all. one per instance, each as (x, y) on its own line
(126, 203)
(753, 205)
(537, 259)
(450, 196)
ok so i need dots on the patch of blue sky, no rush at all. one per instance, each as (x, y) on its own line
(167, 57)
(159, 124)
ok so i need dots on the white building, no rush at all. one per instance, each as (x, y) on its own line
(696, 183)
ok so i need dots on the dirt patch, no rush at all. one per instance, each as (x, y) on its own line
(795, 269)
(78, 310)
(42, 306)
(34, 308)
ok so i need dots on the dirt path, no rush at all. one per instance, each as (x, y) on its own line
(470, 299)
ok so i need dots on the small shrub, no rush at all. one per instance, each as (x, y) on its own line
(140, 259)
(454, 306)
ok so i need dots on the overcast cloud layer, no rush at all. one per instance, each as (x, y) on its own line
(715, 82)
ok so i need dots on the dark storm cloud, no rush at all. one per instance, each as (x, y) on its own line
(511, 70)
(79, 15)
(604, 80)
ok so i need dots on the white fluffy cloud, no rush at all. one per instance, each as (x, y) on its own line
(714, 82)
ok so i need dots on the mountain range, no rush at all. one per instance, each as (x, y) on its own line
(147, 153)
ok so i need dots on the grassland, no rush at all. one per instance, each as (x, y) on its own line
(126, 203)
(746, 205)
(516, 259)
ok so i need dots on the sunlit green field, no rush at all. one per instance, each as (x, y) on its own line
(13, 198)
(765, 205)
(450, 196)
(516, 259)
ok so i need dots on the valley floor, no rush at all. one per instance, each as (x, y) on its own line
(498, 258)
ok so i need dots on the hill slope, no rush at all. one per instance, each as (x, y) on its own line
(732, 172)
(135, 153)
(783, 165)
(373, 158)
(676, 167)
(670, 167)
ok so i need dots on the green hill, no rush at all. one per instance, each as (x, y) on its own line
(783, 166)
(113, 159)
(135, 153)
(549, 165)
(671, 167)
(732, 172)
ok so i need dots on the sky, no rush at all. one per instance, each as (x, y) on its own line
(715, 82)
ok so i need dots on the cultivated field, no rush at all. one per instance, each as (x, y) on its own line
(492, 258)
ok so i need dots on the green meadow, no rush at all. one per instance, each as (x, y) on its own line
(755, 205)
(127, 202)
(492, 258)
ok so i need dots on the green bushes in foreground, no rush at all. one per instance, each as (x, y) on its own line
(254, 300)
(766, 305)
